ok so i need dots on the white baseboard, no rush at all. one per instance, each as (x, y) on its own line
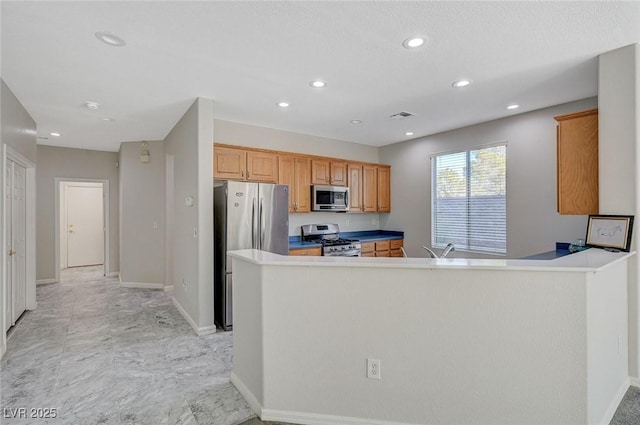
(300, 417)
(615, 402)
(635, 381)
(252, 401)
(141, 285)
(113, 274)
(204, 330)
(45, 281)
(168, 289)
(304, 418)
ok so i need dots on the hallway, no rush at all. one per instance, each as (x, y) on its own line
(102, 354)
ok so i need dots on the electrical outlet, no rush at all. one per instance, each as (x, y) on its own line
(184, 284)
(373, 368)
(346, 223)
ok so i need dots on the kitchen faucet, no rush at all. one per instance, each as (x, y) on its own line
(447, 249)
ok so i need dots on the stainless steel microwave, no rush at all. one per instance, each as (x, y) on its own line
(329, 198)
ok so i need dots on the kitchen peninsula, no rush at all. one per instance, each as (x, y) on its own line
(457, 340)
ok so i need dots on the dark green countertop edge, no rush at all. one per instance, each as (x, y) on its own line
(364, 236)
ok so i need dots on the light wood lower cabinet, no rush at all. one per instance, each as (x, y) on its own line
(386, 248)
(394, 247)
(317, 251)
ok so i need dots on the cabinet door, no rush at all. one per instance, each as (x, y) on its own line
(354, 174)
(302, 188)
(262, 167)
(229, 163)
(578, 163)
(338, 173)
(306, 251)
(286, 175)
(384, 189)
(320, 172)
(369, 188)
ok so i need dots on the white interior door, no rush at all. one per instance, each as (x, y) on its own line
(84, 225)
(16, 235)
(8, 307)
(18, 240)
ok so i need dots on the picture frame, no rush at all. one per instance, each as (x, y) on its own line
(611, 232)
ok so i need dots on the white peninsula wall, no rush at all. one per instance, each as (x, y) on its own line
(459, 340)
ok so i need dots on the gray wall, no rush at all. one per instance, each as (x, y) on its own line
(619, 141)
(18, 128)
(190, 145)
(533, 225)
(142, 214)
(71, 163)
(266, 138)
(18, 131)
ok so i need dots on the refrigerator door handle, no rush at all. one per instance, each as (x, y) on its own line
(261, 223)
(253, 224)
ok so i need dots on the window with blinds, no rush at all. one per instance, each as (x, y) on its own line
(469, 200)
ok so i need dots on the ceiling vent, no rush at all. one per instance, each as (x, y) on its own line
(401, 115)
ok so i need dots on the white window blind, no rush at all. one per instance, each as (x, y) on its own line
(469, 200)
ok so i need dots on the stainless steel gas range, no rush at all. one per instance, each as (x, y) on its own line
(332, 244)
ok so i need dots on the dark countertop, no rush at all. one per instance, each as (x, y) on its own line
(363, 236)
(562, 249)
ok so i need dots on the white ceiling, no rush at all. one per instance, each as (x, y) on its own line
(249, 55)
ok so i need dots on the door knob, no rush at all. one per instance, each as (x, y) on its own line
(11, 252)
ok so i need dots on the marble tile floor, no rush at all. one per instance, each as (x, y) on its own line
(102, 354)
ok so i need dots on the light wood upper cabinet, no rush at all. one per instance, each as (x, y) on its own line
(262, 167)
(338, 173)
(369, 183)
(354, 180)
(326, 172)
(577, 148)
(384, 189)
(369, 188)
(240, 164)
(295, 172)
(229, 163)
(320, 172)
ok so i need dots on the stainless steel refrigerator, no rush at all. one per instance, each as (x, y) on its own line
(245, 216)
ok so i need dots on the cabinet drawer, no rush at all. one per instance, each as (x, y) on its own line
(382, 246)
(396, 253)
(306, 251)
(368, 254)
(368, 247)
(382, 253)
(396, 244)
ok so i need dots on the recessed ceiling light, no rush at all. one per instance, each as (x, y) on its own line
(91, 105)
(409, 133)
(110, 39)
(413, 42)
(513, 106)
(282, 104)
(317, 84)
(54, 134)
(461, 83)
(355, 122)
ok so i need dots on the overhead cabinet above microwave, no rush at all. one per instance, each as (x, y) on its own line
(368, 184)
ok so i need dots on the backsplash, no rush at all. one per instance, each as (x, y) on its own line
(347, 222)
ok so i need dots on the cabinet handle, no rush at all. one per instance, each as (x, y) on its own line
(242, 173)
(247, 174)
